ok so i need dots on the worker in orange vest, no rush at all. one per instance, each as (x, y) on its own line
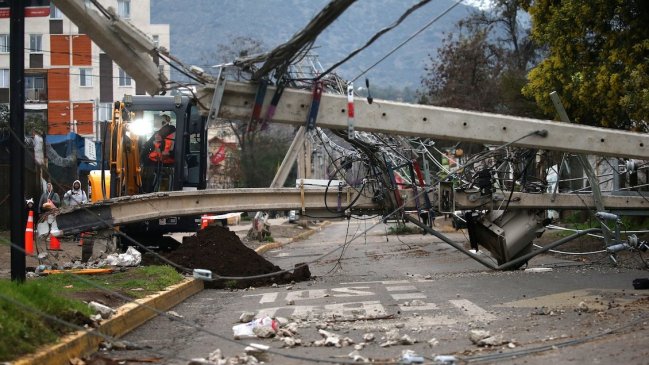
(164, 141)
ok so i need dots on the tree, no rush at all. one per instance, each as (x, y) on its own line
(597, 59)
(483, 65)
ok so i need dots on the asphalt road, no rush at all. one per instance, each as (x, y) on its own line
(420, 287)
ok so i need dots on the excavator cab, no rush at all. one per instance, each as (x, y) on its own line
(155, 144)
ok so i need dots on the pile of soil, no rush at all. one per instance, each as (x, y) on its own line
(218, 249)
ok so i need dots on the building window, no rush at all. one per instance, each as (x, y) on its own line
(36, 43)
(124, 78)
(124, 8)
(85, 77)
(55, 13)
(4, 78)
(4, 43)
(156, 40)
(105, 111)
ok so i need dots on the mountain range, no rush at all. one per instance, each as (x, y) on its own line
(198, 27)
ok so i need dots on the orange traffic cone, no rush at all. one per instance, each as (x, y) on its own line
(204, 222)
(55, 244)
(29, 234)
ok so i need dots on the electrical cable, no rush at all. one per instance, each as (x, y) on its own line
(516, 354)
(435, 19)
(375, 37)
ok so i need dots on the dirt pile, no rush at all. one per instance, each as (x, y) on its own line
(218, 249)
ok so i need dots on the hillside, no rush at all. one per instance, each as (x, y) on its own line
(201, 25)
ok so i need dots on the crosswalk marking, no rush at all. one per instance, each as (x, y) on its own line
(405, 296)
(473, 310)
(401, 288)
(418, 308)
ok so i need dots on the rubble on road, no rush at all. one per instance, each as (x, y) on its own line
(221, 251)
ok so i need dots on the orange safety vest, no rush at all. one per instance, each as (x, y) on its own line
(165, 155)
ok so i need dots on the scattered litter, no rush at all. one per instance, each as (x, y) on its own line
(131, 257)
(411, 357)
(262, 327)
(282, 321)
(99, 308)
(174, 314)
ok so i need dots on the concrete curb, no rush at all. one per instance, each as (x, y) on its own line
(270, 246)
(128, 317)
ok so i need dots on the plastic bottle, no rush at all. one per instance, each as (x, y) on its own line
(247, 329)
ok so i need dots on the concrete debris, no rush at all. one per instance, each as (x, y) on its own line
(389, 343)
(200, 361)
(263, 332)
(417, 303)
(99, 308)
(291, 341)
(495, 340)
(484, 338)
(292, 327)
(478, 335)
(433, 342)
(331, 339)
(583, 307)
(368, 337)
(428, 277)
(392, 335)
(95, 317)
(511, 345)
(274, 285)
(359, 346)
(258, 351)
(282, 321)
(122, 345)
(283, 332)
(174, 314)
(289, 287)
(290, 302)
(357, 357)
(246, 317)
(319, 343)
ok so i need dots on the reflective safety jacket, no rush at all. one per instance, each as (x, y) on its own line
(163, 149)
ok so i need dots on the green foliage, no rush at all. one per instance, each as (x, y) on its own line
(483, 65)
(269, 239)
(32, 122)
(149, 278)
(23, 327)
(597, 60)
(402, 229)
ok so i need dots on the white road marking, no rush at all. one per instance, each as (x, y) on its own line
(473, 310)
(265, 297)
(386, 282)
(401, 288)
(368, 308)
(403, 296)
(418, 308)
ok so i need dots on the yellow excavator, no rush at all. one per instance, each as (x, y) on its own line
(140, 127)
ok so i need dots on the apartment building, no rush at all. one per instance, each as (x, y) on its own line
(70, 84)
